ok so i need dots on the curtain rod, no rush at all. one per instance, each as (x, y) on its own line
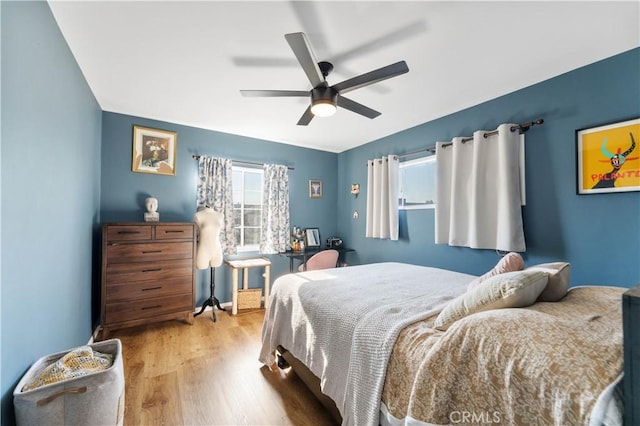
(252, 163)
(523, 127)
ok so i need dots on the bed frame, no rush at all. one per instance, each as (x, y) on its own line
(286, 360)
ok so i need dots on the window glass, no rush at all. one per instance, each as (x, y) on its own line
(247, 207)
(418, 183)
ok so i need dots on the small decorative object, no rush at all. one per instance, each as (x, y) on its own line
(312, 237)
(609, 158)
(154, 151)
(315, 188)
(355, 189)
(297, 239)
(151, 214)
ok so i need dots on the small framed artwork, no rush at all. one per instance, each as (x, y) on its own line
(315, 188)
(154, 151)
(312, 237)
(609, 158)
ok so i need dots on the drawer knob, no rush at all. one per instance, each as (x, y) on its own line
(151, 251)
(152, 270)
(128, 232)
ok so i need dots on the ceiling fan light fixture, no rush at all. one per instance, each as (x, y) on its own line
(323, 108)
(324, 101)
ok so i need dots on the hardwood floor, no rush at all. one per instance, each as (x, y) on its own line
(209, 374)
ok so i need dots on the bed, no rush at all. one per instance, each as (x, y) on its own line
(370, 336)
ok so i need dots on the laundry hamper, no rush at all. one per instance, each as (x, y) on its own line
(94, 399)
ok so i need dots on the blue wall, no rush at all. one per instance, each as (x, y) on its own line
(123, 191)
(65, 167)
(599, 234)
(50, 170)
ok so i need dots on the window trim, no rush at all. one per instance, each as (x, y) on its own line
(249, 247)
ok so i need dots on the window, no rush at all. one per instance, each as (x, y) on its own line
(418, 183)
(247, 207)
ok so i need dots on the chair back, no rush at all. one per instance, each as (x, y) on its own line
(325, 259)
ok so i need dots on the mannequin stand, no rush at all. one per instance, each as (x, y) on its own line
(212, 300)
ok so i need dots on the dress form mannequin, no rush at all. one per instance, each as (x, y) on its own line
(209, 250)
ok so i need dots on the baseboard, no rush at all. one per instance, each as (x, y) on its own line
(208, 308)
(94, 336)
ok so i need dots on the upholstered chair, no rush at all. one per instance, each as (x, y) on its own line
(322, 260)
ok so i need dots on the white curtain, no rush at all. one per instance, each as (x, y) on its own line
(479, 195)
(382, 197)
(215, 190)
(274, 236)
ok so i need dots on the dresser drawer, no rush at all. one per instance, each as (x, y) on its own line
(129, 232)
(146, 289)
(147, 308)
(166, 232)
(119, 273)
(148, 252)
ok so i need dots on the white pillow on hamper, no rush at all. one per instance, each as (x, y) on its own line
(558, 285)
(509, 290)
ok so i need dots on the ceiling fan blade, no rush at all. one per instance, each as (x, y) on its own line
(374, 45)
(356, 107)
(273, 93)
(306, 117)
(371, 77)
(302, 49)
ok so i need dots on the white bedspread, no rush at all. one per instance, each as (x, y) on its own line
(342, 324)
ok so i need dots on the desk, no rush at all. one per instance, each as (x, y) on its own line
(303, 255)
(245, 264)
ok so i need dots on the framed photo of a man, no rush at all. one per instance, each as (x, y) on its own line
(154, 151)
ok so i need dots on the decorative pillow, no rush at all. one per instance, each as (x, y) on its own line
(559, 274)
(509, 290)
(509, 263)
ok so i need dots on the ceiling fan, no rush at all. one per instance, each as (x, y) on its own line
(324, 98)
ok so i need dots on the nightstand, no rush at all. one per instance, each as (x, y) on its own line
(631, 324)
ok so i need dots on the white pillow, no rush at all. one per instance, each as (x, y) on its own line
(509, 290)
(559, 274)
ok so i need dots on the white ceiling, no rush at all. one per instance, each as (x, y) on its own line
(185, 62)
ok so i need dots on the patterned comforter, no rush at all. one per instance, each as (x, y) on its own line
(546, 364)
(366, 332)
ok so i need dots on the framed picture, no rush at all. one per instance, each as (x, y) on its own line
(315, 188)
(312, 237)
(154, 151)
(609, 158)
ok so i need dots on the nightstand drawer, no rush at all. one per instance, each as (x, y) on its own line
(129, 232)
(171, 232)
(147, 289)
(147, 308)
(148, 252)
(119, 273)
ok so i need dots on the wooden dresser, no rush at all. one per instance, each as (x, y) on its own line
(148, 273)
(631, 321)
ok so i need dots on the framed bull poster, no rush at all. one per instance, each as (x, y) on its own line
(609, 158)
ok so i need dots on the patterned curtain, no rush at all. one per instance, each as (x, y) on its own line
(216, 191)
(274, 236)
